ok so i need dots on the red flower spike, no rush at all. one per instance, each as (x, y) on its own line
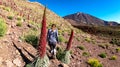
(42, 42)
(70, 41)
(0, 2)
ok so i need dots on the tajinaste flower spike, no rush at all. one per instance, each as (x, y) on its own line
(42, 42)
(70, 41)
(0, 2)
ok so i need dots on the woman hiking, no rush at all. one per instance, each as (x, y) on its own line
(52, 38)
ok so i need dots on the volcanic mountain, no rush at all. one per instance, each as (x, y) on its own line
(86, 19)
(20, 24)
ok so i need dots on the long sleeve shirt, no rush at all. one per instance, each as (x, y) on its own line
(52, 36)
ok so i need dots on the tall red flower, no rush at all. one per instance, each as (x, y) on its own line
(42, 42)
(70, 41)
(0, 2)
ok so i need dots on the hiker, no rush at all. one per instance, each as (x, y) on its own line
(52, 38)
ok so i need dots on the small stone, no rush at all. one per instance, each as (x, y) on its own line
(1, 60)
(17, 62)
(29, 25)
(9, 63)
(0, 46)
(17, 52)
(19, 40)
(6, 41)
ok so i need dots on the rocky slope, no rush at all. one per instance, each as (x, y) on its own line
(86, 19)
(23, 21)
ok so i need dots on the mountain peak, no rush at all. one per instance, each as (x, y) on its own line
(83, 18)
(78, 13)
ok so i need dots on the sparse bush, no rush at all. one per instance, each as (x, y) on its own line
(42, 62)
(115, 41)
(59, 54)
(35, 24)
(19, 18)
(39, 25)
(85, 54)
(3, 27)
(107, 45)
(60, 32)
(88, 39)
(78, 39)
(102, 46)
(32, 22)
(19, 24)
(93, 41)
(118, 49)
(63, 55)
(66, 57)
(94, 62)
(7, 9)
(39, 62)
(10, 17)
(31, 39)
(61, 39)
(81, 47)
(113, 57)
(71, 51)
(103, 55)
(28, 65)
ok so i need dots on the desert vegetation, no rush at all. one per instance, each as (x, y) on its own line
(3, 27)
(20, 22)
(106, 31)
(94, 62)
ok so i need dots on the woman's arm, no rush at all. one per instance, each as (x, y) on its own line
(57, 36)
(48, 35)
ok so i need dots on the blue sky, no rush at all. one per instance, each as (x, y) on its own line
(104, 9)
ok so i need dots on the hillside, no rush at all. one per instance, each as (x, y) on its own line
(86, 19)
(20, 23)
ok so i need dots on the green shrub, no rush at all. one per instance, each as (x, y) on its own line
(81, 47)
(113, 57)
(60, 32)
(59, 54)
(34, 24)
(39, 62)
(61, 39)
(19, 18)
(42, 62)
(19, 24)
(31, 39)
(7, 9)
(10, 17)
(71, 51)
(63, 56)
(93, 41)
(94, 62)
(85, 54)
(66, 57)
(78, 39)
(3, 27)
(28, 65)
(103, 55)
(88, 39)
(118, 49)
(39, 25)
